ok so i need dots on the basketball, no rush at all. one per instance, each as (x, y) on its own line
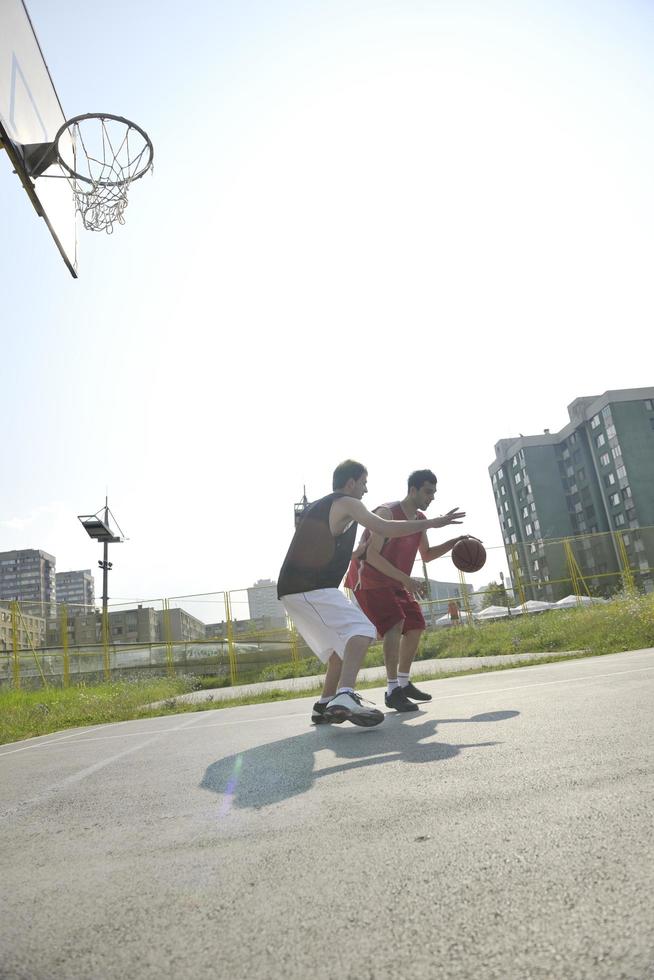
(469, 555)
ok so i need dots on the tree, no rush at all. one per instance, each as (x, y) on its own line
(495, 594)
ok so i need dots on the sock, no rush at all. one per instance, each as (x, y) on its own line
(403, 679)
(323, 700)
(392, 684)
(345, 690)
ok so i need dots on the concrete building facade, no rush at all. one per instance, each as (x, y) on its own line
(592, 481)
(29, 576)
(263, 602)
(30, 630)
(76, 589)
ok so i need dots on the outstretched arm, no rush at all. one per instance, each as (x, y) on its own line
(347, 509)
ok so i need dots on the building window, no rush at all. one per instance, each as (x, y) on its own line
(500, 473)
(605, 459)
(533, 505)
(502, 491)
(610, 431)
(506, 505)
(528, 530)
(509, 522)
(514, 461)
(615, 499)
(513, 539)
(595, 421)
(649, 405)
(616, 451)
(621, 473)
(518, 478)
(639, 546)
(626, 492)
(606, 412)
(609, 480)
(600, 440)
(618, 520)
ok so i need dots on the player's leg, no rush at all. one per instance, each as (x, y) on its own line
(383, 608)
(392, 640)
(347, 705)
(332, 675)
(353, 657)
(408, 649)
(339, 633)
(413, 628)
(329, 688)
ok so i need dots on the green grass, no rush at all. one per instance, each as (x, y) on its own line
(626, 624)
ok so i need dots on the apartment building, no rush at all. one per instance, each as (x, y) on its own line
(29, 576)
(592, 481)
(76, 590)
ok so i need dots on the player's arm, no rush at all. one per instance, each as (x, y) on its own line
(438, 550)
(375, 558)
(350, 508)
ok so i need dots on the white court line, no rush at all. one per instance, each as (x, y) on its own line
(53, 741)
(302, 714)
(83, 773)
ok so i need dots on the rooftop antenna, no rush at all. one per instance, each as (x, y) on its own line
(300, 507)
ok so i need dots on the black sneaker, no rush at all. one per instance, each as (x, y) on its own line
(398, 700)
(318, 716)
(411, 691)
(350, 706)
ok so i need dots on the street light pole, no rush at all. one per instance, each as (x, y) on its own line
(105, 566)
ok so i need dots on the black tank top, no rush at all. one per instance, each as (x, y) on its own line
(316, 559)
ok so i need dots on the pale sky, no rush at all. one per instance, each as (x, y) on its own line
(393, 231)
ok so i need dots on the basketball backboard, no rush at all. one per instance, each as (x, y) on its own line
(30, 113)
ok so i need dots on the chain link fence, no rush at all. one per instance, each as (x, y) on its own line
(214, 634)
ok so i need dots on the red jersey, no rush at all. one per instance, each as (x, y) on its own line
(400, 552)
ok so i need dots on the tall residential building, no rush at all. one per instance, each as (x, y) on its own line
(591, 481)
(76, 589)
(29, 576)
(263, 601)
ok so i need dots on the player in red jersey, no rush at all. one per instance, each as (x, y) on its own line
(380, 577)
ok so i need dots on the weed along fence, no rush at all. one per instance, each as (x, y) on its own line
(235, 636)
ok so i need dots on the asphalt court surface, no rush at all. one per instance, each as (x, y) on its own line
(502, 830)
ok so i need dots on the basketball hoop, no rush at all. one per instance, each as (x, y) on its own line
(102, 154)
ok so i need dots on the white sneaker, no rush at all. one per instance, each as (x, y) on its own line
(350, 707)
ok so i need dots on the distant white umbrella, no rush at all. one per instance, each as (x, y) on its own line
(531, 606)
(576, 600)
(493, 612)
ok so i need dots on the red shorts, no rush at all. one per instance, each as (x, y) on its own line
(387, 607)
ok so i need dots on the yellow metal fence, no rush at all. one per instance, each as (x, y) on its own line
(213, 635)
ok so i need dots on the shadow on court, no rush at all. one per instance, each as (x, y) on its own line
(271, 773)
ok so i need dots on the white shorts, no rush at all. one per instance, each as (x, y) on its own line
(327, 620)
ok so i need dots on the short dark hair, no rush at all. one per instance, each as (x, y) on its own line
(349, 469)
(418, 477)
